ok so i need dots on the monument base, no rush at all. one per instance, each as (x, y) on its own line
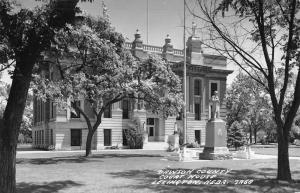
(215, 153)
(215, 143)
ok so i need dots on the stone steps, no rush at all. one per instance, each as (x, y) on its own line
(156, 146)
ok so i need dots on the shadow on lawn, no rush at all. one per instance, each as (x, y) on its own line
(51, 187)
(264, 181)
(80, 159)
(53, 160)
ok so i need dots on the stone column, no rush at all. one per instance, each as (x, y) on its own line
(188, 93)
(145, 132)
(191, 94)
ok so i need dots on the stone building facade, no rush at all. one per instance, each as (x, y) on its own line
(205, 74)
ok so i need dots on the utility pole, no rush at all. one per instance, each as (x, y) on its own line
(184, 79)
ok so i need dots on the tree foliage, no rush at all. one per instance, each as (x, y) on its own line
(249, 105)
(262, 38)
(236, 136)
(135, 135)
(95, 66)
(24, 35)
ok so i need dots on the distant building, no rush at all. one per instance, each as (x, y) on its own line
(205, 74)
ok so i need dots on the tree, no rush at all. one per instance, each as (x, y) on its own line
(262, 36)
(4, 90)
(26, 124)
(236, 135)
(101, 71)
(24, 35)
(249, 103)
(25, 128)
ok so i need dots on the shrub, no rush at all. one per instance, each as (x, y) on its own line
(262, 137)
(135, 137)
(297, 142)
(50, 147)
(193, 145)
(236, 137)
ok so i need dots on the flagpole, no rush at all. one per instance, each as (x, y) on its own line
(147, 22)
(184, 79)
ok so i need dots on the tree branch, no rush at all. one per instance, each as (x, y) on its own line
(88, 122)
(288, 55)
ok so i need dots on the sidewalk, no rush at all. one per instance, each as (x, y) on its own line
(162, 153)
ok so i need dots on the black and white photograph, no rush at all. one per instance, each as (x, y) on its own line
(149, 96)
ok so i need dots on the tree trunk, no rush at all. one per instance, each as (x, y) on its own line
(255, 141)
(10, 124)
(7, 164)
(250, 135)
(88, 147)
(283, 171)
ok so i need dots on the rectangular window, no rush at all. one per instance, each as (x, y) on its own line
(42, 137)
(75, 114)
(51, 137)
(150, 121)
(35, 138)
(76, 137)
(107, 137)
(125, 143)
(213, 88)
(34, 110)
(38, 110)
(107, 112)
(42, 111)
(52, 107)
(197, 111)
(125, 108)
(39, 137)
(197, 98)
(197, 87)
(179, 116)
(151, 131)
(198, 136)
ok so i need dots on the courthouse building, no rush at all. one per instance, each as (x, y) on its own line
(205, 74)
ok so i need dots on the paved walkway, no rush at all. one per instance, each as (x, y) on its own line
(255, 157)
(261, 156)
(166, 155)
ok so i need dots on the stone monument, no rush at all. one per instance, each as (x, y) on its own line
(216, 134)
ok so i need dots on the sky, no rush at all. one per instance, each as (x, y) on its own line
(165, 18)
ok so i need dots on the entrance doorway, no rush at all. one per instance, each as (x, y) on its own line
(151, 127)
(198, 136)
(107, 137)
(76, 137)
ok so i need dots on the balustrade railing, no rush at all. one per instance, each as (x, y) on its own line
(152, 48)
(156, 49)
(178, 52)
(128, 45)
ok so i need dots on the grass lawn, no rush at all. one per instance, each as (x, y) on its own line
(293, 151)
(134, 171)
